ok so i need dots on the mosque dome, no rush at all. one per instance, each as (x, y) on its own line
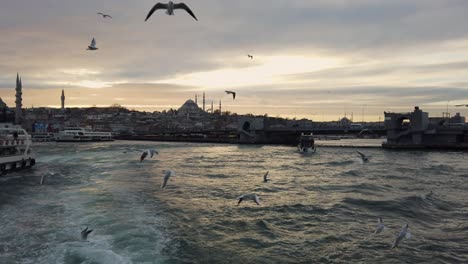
(189, 107)
(2, 104)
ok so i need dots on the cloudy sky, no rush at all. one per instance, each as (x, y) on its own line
(316, 59)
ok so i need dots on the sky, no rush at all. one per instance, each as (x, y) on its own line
(320, 59)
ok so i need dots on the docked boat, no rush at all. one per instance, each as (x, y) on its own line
(42, 137)
(306, 143)
(79, 134)
(15, 148)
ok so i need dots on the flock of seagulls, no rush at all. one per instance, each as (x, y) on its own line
(404, 233)
(169, 7)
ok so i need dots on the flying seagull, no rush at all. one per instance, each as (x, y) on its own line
(251, 196)
(147, 152)
(380, 226)
(233, 94)
(250, 56)
(265, 177)
(92, 46)
(104, 15)
(404, 233)
(85, 233)
(363, 156)
(170, 6)
(167, 175)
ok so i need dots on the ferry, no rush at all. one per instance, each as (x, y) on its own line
(15, 148)
(79, 134)
(306, 144)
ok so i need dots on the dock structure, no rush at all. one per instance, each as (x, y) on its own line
(416, 130)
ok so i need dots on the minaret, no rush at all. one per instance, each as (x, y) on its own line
(203, 101)
(63, 100)
(219, 106)
(18, 112)
(211, 106)
(196, 97)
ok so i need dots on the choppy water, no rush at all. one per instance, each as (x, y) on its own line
(320, 208)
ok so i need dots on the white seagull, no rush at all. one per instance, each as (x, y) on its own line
(404, 233)
(92, 46)
(363, 156)
(233, 94)
(251, 196)
(170, 6)
(147, 152)
(85, 232)
(380, 226)
(104, 15)
(167, 175)
(265, 177)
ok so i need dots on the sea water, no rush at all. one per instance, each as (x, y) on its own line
(318, 208)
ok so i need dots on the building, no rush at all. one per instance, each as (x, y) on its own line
(190, 109)
(416, 130)
(19, 100)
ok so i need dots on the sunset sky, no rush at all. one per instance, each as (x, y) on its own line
(312, 58)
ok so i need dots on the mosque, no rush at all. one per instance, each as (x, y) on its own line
(190, 108)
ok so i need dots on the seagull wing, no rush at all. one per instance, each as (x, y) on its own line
(233, 96)
(256, 199)
(100, 14)
(156, 7)
(93, 43)
(166, 178)
(107, 16)
(362, 154)
(265, 177)
(186, 8)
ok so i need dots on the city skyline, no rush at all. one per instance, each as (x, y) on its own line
(315, 60)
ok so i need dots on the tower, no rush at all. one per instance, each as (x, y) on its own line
(220, 106)
(211, 106)
(63, 100)
(19, 100)
(203, 101)
(196, 97)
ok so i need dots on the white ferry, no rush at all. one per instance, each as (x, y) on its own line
(306, 144)
(15, 148)
(79, 134)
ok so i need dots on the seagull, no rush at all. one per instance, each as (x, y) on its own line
(85, 233)
(233, 94)
(147, 152)
(250, 56)
(92, 46)
(170, 6)
(265, 177)
(363, 157)
(104, 15)
(380, 226)
(251, 196)
(404, 233)
(167, 175)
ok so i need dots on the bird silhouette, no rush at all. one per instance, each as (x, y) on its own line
(233, 94)
(170, 7)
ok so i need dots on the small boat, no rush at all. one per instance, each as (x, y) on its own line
(306, 144)
(15, 149)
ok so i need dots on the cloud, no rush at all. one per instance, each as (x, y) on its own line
(374, 50)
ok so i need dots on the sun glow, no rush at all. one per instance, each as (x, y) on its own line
(268, 70)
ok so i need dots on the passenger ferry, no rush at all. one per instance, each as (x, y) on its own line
(15, 148)
(306, 143)
(79, 134)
